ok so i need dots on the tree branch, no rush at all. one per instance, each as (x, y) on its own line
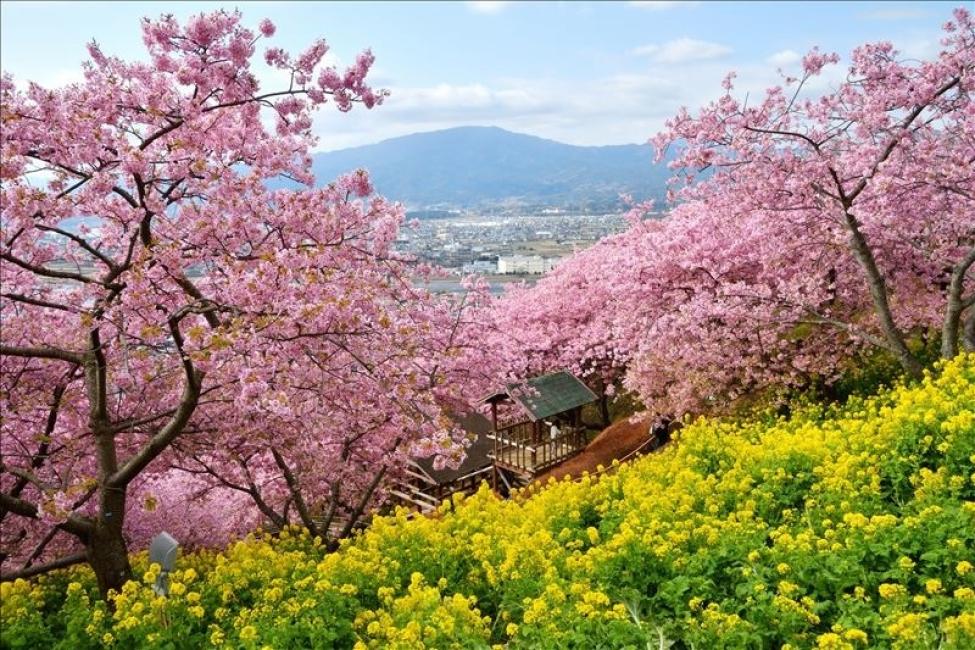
(82, 242)
(957, 304)
(74, 524)
(158, 443)
(295, 490)
(40, 456)
(48, 273)
(38, 569)
(360, 507)
(42, 352)
(38, 302)
(892, 143)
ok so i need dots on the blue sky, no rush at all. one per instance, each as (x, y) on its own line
(578, 72)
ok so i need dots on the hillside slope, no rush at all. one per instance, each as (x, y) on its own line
(849, 527)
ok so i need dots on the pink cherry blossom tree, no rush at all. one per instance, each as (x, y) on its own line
(879, 167)
(164, 311)
(720, 312)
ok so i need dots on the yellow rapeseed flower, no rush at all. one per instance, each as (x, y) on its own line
(248, 633)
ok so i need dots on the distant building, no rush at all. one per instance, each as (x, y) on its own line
(526, 264)
(481, 266)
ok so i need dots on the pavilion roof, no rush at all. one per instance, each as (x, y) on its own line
(475, 458)
(545, 396)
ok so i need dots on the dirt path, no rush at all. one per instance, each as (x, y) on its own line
(616, 441)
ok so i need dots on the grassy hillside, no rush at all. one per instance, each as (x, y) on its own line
(850, 527)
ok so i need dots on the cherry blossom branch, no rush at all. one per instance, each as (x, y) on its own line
(50, 273)
(359, 508)
(894, 140)
(24, 476)
(82, 242)
(158, 443)
(37, 302)
(41, 455)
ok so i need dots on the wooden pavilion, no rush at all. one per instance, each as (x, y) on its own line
(546, 430)
(548, 427)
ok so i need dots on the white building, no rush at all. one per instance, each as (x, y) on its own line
(526, 264)
(481, 266)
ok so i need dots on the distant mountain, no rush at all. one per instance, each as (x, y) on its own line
(473, 166)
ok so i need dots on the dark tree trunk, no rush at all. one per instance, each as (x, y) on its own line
(604, 419)
(107, 551)
(951, 332)
(878, 292)
(968, 336)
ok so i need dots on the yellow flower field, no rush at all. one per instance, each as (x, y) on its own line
(849, 527)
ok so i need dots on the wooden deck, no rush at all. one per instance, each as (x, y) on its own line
(526, 458)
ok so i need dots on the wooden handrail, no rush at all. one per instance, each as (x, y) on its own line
(574, 433)
(536, 457)
(511, 443)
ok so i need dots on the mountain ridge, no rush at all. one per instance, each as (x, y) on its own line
(478, 167)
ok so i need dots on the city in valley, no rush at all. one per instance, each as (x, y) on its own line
(503, 246)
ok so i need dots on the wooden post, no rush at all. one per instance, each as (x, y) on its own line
(497, 447)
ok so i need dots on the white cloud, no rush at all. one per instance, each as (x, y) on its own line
(920, 49)
(683, 50)
(487, 6)
(626, 107)
(660, 5)
(784, 58)
(616, 109)
(472, 100)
